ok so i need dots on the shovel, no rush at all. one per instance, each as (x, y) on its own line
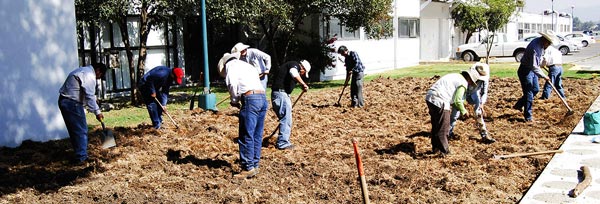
(108, 139)
(165, 110)
(338, 102)
(569, 110)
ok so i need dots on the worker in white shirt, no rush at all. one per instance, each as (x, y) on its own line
(247, 94)
(553, 60)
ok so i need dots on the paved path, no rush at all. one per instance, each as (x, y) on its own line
(563, 173)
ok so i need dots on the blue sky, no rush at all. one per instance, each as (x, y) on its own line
(585, 10)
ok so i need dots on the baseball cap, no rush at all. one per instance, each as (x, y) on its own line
(178, 72)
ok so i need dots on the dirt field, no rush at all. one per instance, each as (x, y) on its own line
(196, 163)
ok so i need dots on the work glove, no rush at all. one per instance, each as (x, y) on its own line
(304, 87)
(100, 117)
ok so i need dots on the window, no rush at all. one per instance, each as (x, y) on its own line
(408, 28)
(333, 27)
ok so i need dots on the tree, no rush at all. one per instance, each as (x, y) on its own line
(497, 15)
(468, 16)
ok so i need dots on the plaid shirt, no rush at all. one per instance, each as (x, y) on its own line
(353, 62)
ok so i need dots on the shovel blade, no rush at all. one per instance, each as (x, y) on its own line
(108, 139)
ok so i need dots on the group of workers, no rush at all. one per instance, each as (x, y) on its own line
(445, 99)
(246, 71)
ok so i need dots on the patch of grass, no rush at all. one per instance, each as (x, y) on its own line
(132, 116)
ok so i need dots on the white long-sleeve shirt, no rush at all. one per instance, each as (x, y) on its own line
(241, 78)
(449, 91)
(259, 59)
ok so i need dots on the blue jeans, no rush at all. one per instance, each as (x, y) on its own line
(282, 105)
(154, 109)
(554, 75)
(529, 87)
(472, 98)
(74, 115)
(251, 126)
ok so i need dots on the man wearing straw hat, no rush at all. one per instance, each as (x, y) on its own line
(247, 94)
(530, 70)
(445, 95)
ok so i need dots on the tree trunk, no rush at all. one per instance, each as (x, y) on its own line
(122, 23)
(144, 31)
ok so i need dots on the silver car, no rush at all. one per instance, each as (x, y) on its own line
(564, 46)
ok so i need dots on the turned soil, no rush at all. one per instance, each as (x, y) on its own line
(196, 163)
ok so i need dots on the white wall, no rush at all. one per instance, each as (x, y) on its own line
(378, 55)
(37, 51)
(436, 33)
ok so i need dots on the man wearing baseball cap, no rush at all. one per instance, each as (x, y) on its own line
(260, 60)
(284, 81)
(154, 85)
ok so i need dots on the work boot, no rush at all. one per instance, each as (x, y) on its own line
(246, 174)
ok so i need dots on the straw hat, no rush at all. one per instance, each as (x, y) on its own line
(306, 66)
(224, 59)
(239, 47)
(550, 36)
(473, 74)
(483, 69)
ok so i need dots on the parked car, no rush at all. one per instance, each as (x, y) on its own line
(500, 48)
(585, 39)
(565, 47)
(576, 43)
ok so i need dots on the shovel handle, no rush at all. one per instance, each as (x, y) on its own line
(559, 96)
(165, 110)
(339, 99)
(527, 154)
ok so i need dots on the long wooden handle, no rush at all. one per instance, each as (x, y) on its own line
(223, 101)
(559, 96)
(361, 173)
(527, 154)
(165, 110)
(339, 99)
(297, 99)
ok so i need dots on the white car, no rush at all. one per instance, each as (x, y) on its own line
(576, 43)
(585, 39)
(565, 47)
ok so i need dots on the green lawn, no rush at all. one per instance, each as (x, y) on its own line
(132, 116)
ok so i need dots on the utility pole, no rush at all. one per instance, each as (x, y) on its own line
(572, 18)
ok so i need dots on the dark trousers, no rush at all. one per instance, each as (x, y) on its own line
(154, 108)
(251, 126)
(74, 115)
(440, 127)
(530, 87)
(356, 93)
(555, 72)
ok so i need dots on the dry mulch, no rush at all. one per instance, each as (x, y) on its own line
(195, 164)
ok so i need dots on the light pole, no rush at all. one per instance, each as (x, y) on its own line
(572, 18)
(552, 15)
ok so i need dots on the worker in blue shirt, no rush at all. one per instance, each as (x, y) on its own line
(529, 71)
(154, 85)
(77, 92)
(354, 69)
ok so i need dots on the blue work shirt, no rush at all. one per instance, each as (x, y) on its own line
(80, 86)
(158, 80)
(353, 62)
(532, 59)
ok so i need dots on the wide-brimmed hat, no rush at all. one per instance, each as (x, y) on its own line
(483, 69)
(550, 36)
(306, 66)
(473, 74)
(178, 72)
(239, 47)
(224, 59)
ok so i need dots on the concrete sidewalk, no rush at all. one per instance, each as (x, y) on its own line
(563, 172)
